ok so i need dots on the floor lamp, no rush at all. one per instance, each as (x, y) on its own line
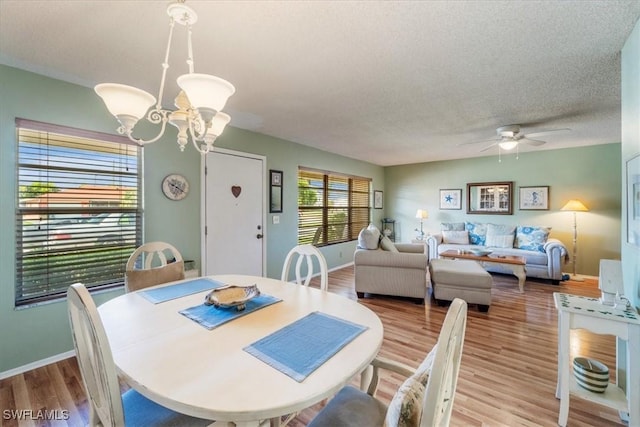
(575, 206)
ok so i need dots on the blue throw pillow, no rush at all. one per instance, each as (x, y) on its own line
(531, 238)
(477, 233)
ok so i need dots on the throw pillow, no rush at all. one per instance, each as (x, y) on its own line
(531, 238)
(405, 409)
(452, 226)
(455, 237)
(500, 236)
(387, 245)
(369, 237)
(477, 233)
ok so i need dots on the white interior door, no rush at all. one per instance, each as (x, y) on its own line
(234, 213)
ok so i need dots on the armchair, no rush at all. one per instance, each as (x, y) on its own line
(402, 273)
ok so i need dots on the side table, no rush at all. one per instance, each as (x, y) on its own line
(577, 312)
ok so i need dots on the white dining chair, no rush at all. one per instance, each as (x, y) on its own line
(149, 265)
(107, 407)
(425, 399)
(306, 252)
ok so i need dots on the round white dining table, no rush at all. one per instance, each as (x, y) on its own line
(180, 364)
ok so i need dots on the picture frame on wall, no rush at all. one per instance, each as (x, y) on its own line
(633, 200)
(534, 198)
(377, 199)
(275, 193)
(451, 199)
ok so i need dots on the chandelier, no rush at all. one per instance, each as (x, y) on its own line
(202, 97)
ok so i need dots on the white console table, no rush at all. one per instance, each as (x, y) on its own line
(577, 312)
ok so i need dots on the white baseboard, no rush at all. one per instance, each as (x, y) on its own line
(340, 266)
(37, 364)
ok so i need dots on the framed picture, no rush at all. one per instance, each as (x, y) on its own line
(633, 200)
(377, 199)
(275, 193)
(534, 198)
(490, 198)
(451, 198)
(276, 177)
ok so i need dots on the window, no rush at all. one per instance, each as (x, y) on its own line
(332, 207)
(79, 210)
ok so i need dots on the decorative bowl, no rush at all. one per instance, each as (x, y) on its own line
(231, 296)
(480, 252)
(591, 374)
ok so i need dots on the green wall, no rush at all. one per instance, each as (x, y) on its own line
(34, 333)
(570, 174)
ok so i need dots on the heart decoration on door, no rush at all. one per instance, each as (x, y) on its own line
(236, 190)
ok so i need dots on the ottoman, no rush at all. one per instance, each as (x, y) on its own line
(464, 279)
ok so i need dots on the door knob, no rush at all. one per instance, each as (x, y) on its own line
(258, 236)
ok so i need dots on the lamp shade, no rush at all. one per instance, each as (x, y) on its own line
(205, 91)
(218, 123)
(574, 206)
(123, 100)
(422, 214)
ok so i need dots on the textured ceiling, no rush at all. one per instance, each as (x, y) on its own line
(389, 82)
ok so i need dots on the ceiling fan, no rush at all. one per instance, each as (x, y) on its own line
(509, 137)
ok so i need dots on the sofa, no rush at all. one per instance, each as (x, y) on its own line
(545, 256)
(387, 268)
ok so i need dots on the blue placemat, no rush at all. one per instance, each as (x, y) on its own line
(303, 346)
(166, 293)
(211, 317)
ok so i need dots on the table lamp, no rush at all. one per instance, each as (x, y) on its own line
(422, 215)
(575, 206)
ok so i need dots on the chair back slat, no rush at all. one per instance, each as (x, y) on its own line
(148, 266)
(443, 376)
(306, 253)
(94, 359)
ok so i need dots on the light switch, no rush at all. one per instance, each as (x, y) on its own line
(276, 219)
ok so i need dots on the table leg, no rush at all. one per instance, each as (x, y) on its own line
(518, 271)
(521, 274)
(562, 390)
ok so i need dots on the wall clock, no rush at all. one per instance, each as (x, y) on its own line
(175, 187)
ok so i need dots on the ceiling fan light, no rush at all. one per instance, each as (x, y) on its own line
(508, 145)
(206, 91)
(123, 100)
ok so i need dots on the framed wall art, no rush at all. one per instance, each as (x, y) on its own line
(377, 199)
(451, 198)
(275, 193)
(490, 198)
(534, 198)
(633, 200)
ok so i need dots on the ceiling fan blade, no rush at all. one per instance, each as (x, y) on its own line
(479, 141)
(534, 142)
(546, 132)
(489, 146)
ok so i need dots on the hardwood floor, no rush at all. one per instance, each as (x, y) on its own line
(507, 376)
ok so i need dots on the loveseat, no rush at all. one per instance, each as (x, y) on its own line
(387, 268)
(544, 256)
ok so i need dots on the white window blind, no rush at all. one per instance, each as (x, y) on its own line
(79, 210)
(332, 207)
